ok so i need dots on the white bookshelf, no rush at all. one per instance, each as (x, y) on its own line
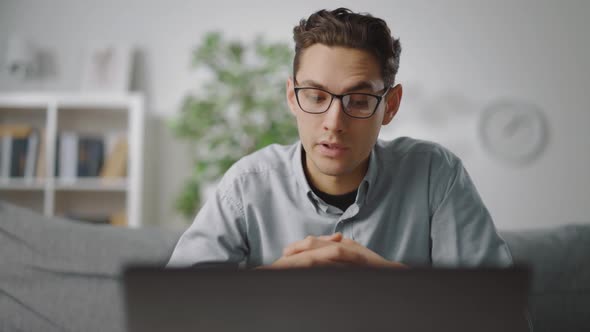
(81, 112)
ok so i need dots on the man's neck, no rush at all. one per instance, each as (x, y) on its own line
(336, 185)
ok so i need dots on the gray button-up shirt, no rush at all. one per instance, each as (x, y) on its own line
(416, 205)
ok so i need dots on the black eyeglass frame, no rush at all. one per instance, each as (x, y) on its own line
(333, 95)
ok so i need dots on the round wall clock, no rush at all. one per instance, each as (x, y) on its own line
(513, 131)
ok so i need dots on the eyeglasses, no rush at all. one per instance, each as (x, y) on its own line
(356, 105)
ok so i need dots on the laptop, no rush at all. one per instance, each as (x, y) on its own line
(314, 300)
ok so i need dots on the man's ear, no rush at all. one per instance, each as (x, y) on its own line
(392, 102)
(290, 94)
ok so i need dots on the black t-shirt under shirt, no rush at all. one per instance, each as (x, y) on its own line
(340, 201)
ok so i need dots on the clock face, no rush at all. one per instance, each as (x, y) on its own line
(513, 131)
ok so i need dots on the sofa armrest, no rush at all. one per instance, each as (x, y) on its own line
(58, 274)
(560, 261)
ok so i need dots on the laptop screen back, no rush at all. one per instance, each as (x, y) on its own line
(326, 300)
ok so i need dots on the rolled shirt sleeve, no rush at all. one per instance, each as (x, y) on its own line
(217, 235)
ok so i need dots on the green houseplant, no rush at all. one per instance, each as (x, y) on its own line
(238, 108)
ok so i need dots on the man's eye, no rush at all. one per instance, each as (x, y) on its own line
(315, 97)
(358, 103)
(318, 98)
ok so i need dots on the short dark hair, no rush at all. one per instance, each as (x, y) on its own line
(342, 27)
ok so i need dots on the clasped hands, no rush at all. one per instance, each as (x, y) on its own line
(329, 251)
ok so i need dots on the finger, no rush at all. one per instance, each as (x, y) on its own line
(338, 253)
(349, 241)
(398, 265)
(353, 253)
(336, 237)
(309, 243)
(303, 260)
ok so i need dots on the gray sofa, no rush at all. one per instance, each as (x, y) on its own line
(61, 275)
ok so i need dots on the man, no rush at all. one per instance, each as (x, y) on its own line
(340, 196)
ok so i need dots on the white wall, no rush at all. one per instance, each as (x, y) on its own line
(457, 57)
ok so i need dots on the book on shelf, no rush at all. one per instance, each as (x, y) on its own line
(115, 165)
(67, 153)
(6, 157)
(18, 157)
(19, 151)
(32, 154)
(41, 169)
(90, 156)
(79, 155)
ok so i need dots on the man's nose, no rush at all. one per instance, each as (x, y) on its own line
(335, 118)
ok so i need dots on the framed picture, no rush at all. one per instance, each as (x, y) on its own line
(107, 67)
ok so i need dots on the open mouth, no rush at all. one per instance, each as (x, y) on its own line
(333, 146)
(332, 149)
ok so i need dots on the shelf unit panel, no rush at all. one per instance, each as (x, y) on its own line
(92, 121)
(76, 204)
(36, 118)
(91, 184)
(22, 184)
(92, 114)
(24, 100)
(68, 100)
(100, 101)
(30, 199)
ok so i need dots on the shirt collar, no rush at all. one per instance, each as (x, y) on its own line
(297, 165)
(368, 181)
(370, 178)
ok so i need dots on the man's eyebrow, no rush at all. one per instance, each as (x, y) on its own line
(359, 86)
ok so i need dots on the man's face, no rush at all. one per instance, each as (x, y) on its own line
(335, 143)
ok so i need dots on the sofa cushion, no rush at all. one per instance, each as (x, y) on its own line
(62, 275)
(560, 261)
